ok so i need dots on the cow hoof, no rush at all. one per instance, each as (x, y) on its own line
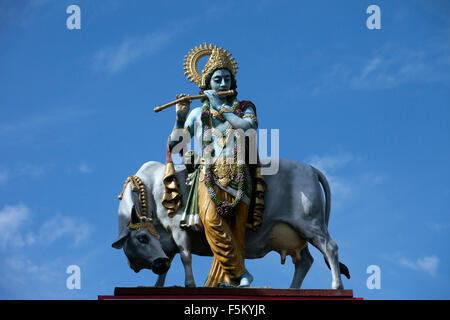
(337, 286)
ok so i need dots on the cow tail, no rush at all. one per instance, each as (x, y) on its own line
(326, 188)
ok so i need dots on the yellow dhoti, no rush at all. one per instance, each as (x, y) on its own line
(226, 237)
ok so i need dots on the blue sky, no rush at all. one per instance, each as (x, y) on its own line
(368, 107)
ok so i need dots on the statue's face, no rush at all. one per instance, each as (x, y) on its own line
(221, 80)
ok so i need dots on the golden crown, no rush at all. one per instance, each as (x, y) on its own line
(218, 59)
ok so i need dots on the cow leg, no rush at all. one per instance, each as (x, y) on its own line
(186, 259)
(161, 280)
(183, 243)
(302, 268)
(329, 249)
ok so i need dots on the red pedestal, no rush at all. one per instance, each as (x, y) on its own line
(200, 293)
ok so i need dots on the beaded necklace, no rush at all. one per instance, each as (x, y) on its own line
(225, 209)
(221, 137)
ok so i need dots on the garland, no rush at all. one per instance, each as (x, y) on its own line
(225, 209)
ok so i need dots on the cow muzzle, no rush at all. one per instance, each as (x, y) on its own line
(161, 265)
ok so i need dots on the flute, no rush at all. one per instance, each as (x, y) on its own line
(190, 98)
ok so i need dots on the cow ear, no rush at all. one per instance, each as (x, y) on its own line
(134, 216)
(118, 244)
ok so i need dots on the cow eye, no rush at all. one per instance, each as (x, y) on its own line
(143, 238)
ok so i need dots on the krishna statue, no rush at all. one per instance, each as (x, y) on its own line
(226, 189)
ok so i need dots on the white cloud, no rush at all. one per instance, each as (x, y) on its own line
(215, 9)
(15, 220)
(21, 170)
(39, 277)
(12, 218)
(330, 163)
(390, 66)
(345, 177)
(44, 119)
(22, 14)
(38, 3)
(84, 168)
(44, 252)
(23, 269)
(428, 264)
(30, 170)
(330, 166)
(374, 178)
(60, 226)
(115, 58)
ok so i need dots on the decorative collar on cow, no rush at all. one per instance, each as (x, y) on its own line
(143, 223)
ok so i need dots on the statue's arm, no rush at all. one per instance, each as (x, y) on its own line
(248, 120)
(183, 129)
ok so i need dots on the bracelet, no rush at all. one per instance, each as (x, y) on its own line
(217, 115)
(225, 110)
(249, 116)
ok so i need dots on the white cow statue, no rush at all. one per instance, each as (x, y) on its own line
(297, 210)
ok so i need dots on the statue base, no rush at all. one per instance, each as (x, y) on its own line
(202, 293)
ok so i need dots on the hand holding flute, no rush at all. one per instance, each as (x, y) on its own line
(183, 106)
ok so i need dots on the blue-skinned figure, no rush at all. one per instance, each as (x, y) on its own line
(226, 190)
